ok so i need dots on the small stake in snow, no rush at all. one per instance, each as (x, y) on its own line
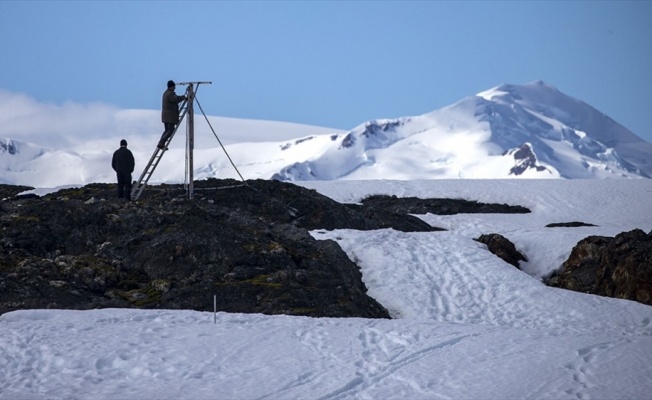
(215, 309)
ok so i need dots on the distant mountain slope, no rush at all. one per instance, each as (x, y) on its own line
(528, 131)
(590, 132)
(510, 131)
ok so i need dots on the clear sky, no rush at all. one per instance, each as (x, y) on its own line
(328, 63)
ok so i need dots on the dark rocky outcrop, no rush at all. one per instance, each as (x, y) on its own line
(247, 243)
(413, 205)
(393, 219)
(572, 224)
(10, 191)
(619, 267)
(524, 159)
(503, 248)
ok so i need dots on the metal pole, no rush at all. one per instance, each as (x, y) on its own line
(191, 140)
(197, 82)
(190, 132)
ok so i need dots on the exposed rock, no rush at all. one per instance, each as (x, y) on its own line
(8, 191)
(618, 267)
(503, 248)
(401, 221)
(164, 251)
(412, 205)
(248, 244)
(573, 224)
(524, 159)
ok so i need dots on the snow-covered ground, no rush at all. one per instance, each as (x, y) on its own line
(466, 325)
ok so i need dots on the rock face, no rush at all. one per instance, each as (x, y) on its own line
(246, 243)
(503, 248)
(524, 159)
(618, 267)
(412, 205)
(8, 191)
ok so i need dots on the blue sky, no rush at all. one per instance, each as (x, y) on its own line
(328, 63)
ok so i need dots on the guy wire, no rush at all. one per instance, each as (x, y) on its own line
(218, 139)
(292, 210)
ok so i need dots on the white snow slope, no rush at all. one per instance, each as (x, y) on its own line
(478, 137)
(511, 131)
(466, 325)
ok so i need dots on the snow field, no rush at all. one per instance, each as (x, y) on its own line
(467, 325)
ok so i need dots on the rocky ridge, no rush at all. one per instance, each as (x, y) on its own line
(247, 243)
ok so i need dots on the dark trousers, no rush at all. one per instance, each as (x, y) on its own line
(124, 185)
(169, 129)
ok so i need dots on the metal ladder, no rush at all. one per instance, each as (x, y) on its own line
(138, 188)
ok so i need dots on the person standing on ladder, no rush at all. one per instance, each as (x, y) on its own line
(169, 113)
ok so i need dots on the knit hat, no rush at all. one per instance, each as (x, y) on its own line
(171, 84)
(123, 142)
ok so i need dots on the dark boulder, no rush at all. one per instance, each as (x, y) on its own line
(503, 248)
(619, 267)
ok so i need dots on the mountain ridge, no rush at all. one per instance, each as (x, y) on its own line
(491, 126)
(577, 116)
(509, 131)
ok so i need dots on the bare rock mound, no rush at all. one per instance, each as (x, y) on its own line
(619, 267)
(247, 243)
(503, 248)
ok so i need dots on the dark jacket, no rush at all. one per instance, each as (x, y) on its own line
(123, 160)
(170, 107)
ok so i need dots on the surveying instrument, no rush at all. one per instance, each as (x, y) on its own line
(186, 110)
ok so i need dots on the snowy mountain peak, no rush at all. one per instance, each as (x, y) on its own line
(562, 128)
(509, 131)
(531, 130)
(536, 89)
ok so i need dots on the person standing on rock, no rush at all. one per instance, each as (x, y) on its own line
(123, 165)
(169, 113)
